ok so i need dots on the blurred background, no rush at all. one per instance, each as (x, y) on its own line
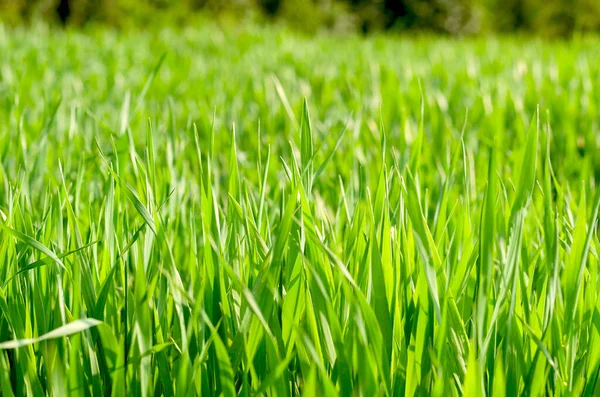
(546, 18)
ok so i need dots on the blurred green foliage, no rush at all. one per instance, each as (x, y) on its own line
(459, 17)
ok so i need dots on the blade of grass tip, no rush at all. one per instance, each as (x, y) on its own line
(284, 100)
(538, 342)
(151, 351)
(49, 121)
(551, 236)
(333, 151)
(151, 164)
(141, 209)
(528, 165)
(252, 303)
(472, 386)
(65, 330)
(427, 251)
(45, 261)
(125, 113)
(259, 147)
(288, 171)
(263, 189)
(130, 193)
(149, 81)
(418, 143)
(88, 112)
(333, 258)
(104, 290)
(33, 243)
(499, 382)
(198, 150)
(382, 134)
(440, 210)
(306, 146)
(105, 160)
(380, 301)
(486, 249)
(234, 179)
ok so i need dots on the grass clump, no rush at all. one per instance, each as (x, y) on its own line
(255, 213)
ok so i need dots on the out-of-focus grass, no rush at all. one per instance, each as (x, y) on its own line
(207, 212)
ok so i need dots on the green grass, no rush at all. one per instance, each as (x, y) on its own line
(257, 213)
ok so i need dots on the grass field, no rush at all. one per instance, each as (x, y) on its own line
(258, 213)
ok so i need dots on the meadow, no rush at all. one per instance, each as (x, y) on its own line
(249, 211)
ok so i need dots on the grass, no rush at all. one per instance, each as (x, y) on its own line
(255, 213)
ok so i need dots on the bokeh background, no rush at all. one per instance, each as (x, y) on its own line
(545, 18)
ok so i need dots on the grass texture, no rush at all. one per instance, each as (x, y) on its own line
(201, 212)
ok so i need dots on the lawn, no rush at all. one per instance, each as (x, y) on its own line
(251, 212)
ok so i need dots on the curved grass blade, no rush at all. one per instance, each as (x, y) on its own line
(33, 243)
(65, 330)
(45, 261)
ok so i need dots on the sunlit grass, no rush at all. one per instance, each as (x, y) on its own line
(207, 213)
